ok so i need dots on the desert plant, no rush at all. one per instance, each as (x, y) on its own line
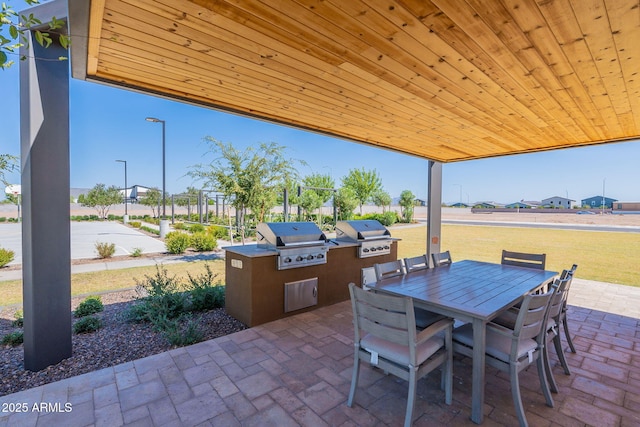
(105, 250)
(177, 242)
(182, 331)
(149, 229)
(87, 325)
(206, 292)
(203, 242)
(160, 297)
(6, 256)
(13, 339)
(19, 319)
(137, 252)
(196, 228)
(135, 224)
(91, 305)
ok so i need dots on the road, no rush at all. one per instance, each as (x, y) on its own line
(582, 227)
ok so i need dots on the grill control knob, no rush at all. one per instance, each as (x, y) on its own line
(287, 259)
(386, 246)
(299, 258)
(320, 256)
(365, 250)
(309, 257)
(380, 248)
(373, 249)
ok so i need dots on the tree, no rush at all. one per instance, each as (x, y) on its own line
(102, 198)
(321, 186)
(381, 198)
(406, 203)
(251, 179)
(309, 201)
(18, 27)
(363, 183)
(345, 202)
(8, 163)
(153, 199)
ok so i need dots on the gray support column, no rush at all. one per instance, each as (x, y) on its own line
(46, 251)
(434, 209)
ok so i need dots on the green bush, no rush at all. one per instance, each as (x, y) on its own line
(91, 305)
(179, 226)
(177, 242)
(218, 232)
(6, 256)
(162, 299)
(87, 325)
(19, 319)
(13, 339)
(206, 292)
(183, 331)
(105, 250)
(149, 229)
(137, 252)
(203, 242)
(135, 224)
(196, 228)
(3, 219)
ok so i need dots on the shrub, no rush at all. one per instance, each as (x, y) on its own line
(6, 256)
(196, 228)
(137, 252)
(183, 331)
(176, 242)
(19, 319)
(87, 325)
(3, 218)
(149, 229)
(91, 305)
(135, 224)
(203, 242)
(206, 293)
(105, 250)
(162, 300)
(218, 232)
(13, 339)
(179, 226)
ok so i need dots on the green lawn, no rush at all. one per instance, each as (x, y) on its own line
(603, 256)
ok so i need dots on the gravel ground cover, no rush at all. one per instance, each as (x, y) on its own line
(116, 342)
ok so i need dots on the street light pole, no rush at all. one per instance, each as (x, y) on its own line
(164, 158)
(126, 197)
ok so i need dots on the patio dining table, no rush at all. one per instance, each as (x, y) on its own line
(470, 291)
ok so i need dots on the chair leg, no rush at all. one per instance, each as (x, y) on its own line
(517, 399)
(354, 378)
(567, 335)
(547, 368)
(557, 342)
(411, 397)
(543, 382)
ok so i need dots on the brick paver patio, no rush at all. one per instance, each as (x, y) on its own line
(297, 371)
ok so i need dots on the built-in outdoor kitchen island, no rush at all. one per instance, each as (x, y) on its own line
(295, 268)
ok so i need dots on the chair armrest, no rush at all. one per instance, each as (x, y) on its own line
(433, 329)
(499, 329)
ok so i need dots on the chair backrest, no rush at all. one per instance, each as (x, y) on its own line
(386, 317)
(384, 270)
(532, 318)
(522, 259)
(368, 277)
(568, 274)
(561, 290)
(442, 258)
(416, 263)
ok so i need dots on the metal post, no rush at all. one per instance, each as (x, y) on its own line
(173, 210)
(299, 207)
(434, 208)
(126, 196)
(200, 205)
(285, 196)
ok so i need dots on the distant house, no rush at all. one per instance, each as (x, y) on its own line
(420, 202)
(596, 202)
(487, 205)
(557, 202)
(521, 205)
(137, 192)
(459, 205)
(76, 192)
(626, 206)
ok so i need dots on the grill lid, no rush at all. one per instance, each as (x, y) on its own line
(359, 230)
(289, 234)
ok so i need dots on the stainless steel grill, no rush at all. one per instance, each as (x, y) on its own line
(298, 244)
(372, 237)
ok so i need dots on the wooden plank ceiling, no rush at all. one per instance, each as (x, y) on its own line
(446, 80)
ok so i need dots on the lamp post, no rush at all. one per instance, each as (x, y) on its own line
(125, 219)
(163, 223)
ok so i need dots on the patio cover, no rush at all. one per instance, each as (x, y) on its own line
(446, 80)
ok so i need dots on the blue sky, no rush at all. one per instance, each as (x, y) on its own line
(109, 124)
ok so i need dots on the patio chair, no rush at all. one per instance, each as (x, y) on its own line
(416, 263)
(522, 259)
(386, 336)
(553, 334)
(442, 258)
(368, 277)
(563, 313)
(512, 350)
(395, 268)
(385, 270)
